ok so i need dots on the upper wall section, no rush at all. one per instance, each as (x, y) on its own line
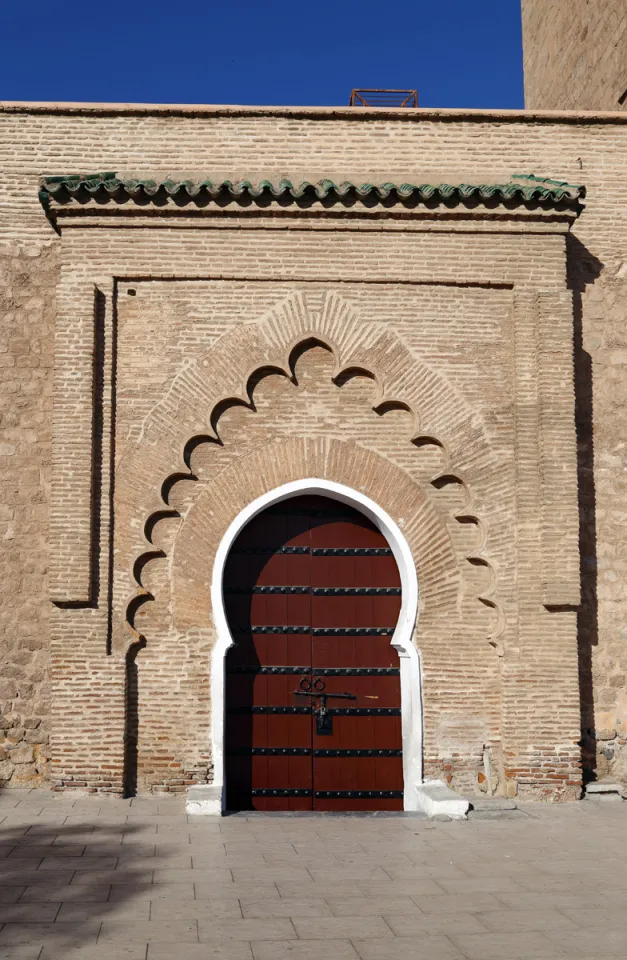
(312, 144)
(575, 54)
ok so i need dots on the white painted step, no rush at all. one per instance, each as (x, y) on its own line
(435, 798)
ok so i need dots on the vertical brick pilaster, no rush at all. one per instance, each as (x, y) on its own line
(541, 700)
(71, 504)
(558, 451)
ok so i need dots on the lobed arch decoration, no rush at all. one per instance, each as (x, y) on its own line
(440, 417)
(361, 478)
(331, 463)
(410, 521)
(281, 462)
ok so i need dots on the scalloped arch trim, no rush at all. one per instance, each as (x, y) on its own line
(160, 455)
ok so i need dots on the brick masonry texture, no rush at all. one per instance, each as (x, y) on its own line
(27, 281)
(459, 329)
(575, 54)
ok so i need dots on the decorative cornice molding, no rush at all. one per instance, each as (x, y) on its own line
(522, 190)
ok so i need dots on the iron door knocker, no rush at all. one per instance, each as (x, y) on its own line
(316, 688)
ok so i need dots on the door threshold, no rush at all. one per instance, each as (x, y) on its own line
(257, 814)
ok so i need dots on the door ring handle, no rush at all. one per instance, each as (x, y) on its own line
(307, 684)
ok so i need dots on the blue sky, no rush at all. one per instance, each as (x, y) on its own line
(458, 53)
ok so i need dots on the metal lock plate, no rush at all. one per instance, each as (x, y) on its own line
(324, 724)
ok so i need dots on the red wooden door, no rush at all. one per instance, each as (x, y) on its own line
(313, 718)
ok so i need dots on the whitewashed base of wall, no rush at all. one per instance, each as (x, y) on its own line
(433, 798)
(204, 800)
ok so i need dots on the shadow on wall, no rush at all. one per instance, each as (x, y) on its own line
(62, 873)
(98, 440)
(583, 269)
(131, 734)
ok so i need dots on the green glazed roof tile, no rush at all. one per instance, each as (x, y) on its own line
(522, 188)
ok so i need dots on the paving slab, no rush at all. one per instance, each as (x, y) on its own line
(444, 870)
(146, 931)
(513, 946)
(39, 851)
(210, 931)
(26, 877)
(276, 874)
(563, 901)
(458, 903)
(192, 875)
(347, 872)
(418, 926)
(480, 885)
(503, 921)
(26, 952)
(134, 910)
(228, 950)
(253, 890)
(408, 948)
(303, 950)
(78, 893)
(11, 893)
(285, 907)
(123, 892)
(612, 918)
(103, 951)
(339, 928)
(602, 940)
(372, 906)
(318, 888)
(29, 912)
(62, 934)
(195, 909)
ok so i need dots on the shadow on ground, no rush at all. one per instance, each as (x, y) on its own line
(59, 881)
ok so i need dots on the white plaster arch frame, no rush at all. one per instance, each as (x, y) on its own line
(411, 685)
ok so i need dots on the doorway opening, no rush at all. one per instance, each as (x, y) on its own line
(313, 721)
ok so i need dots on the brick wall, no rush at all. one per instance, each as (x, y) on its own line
(575, 54)
(316, 407)
(157, 337)
(28, 274)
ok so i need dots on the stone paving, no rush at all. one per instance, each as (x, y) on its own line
(92, 878)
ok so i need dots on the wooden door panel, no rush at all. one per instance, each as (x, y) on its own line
(345, 804)
(362, 732)
(368, 729)
(369, 773)
(353, 651)
(293, 734)
(385, 570)
(324, 574)
(291, 731)
(332, 571)
(271, 771)
(285, 568)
